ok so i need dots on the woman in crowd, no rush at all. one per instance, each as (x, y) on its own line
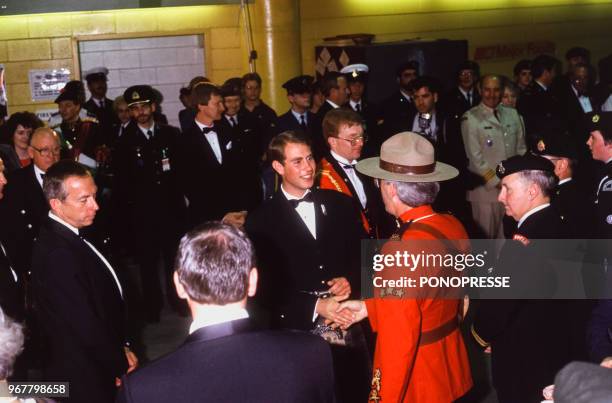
(15, 138)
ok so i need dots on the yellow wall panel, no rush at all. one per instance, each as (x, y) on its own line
(61, 48)
(29, 49)
(225, 37)
(93, 23)
(49, 25)
(218, 76)
(3, 52)
(13, 28)
(129, 21)
(223, 59)
(19, 94)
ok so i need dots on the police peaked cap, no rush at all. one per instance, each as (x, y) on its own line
(299, 85)
(138, 94)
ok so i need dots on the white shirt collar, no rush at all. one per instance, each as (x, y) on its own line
(202, 125)
(332, 104)
(215, 314)
(532, 211)
(59, 220)
(465, 93)
(354, 104)
(341, 159)
(144, 131)
(609, 160)
(37, 173)
(229, 118)
(405, 95)
(297, 115)
(541, 85)
(562, 181)
(292, 197)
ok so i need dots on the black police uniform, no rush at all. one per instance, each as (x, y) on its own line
(147, 190)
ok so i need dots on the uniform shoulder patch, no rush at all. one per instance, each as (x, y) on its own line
(89, 119)
(522, 239)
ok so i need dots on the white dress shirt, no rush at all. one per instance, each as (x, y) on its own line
(215, 314)
(298, 116)
(607, 106)
(336, 106)
(145, 131)
(213, 140)
(106, 263)
(352, 175)
(530, 212)
(38, 173)
(306, 212)
(585, 102)
(354, 105)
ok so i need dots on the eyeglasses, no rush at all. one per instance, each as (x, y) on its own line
(356, 140)
(47, 152)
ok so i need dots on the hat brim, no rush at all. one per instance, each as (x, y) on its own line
(371, 167)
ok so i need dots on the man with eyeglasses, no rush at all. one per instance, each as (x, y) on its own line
(344, 134)
(24, 205)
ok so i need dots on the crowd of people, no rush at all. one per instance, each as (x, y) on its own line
(256, 220)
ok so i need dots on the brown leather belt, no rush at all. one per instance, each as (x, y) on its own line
(440, 332)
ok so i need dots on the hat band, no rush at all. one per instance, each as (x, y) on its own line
(407, 169)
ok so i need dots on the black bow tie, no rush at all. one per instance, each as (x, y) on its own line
(208, 129)
(348, 166)
(295, 202)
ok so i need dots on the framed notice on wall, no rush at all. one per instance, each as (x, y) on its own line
(45, 85)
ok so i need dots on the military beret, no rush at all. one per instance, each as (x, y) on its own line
(97, 73)
(299, 85)
(356, 72)
(138, 94)
(527, 162)
(601, 122)
(557, 144)
(73, 91)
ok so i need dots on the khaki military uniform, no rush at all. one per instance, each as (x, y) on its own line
(488, 140)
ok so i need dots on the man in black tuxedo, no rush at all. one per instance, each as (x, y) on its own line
(24, 206)
(148, 194)
(246, 132)
(334, 88)
(224, 359)
(206, 163)
(307, 244)
(79, 299)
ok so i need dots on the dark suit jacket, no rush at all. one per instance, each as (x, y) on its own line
(291, 262)
(395, 112)
(287, 121)
(247, 148)
(22, 210)
(106, 116)
(229, 363)
(542, 112)
(81, 315)
(319, 145)
(146, 180)
(521, 329)
(186, 117)
(208, 185)
(11, 297)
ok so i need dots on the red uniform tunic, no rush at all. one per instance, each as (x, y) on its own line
(403, 370)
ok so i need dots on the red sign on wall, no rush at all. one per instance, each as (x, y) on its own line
(514, 50)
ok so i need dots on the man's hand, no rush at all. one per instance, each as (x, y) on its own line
(131, 359)
(328, 308)
(357, 308)
(607, 362)
(339, 286)
(235, 218)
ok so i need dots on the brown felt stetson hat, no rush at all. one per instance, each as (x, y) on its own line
(407, 157)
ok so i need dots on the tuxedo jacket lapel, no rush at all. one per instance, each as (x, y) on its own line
(293, 222)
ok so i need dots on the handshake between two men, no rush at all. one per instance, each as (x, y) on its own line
(337, 309)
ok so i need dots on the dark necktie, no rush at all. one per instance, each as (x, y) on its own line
(233, 121)
(206, 130)
(303, 122)
(358, 107)
(102, 104)
(149, 134)
(348, 166)
(295, 202)
(469, 98)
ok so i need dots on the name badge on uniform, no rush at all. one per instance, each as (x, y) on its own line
(165, 164)
(489, 143)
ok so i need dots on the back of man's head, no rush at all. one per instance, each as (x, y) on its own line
(213, 264)
(203, 91)
(57, 174)
(543, 63)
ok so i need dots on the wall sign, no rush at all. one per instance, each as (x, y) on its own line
(45, 85)
(523, 50)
